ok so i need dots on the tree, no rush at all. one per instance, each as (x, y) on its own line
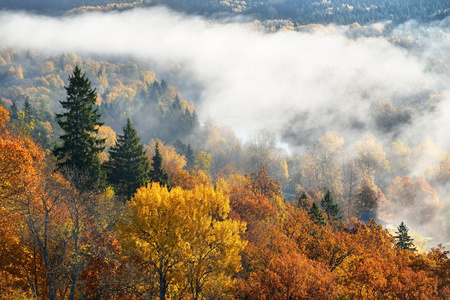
(14, 111)
(67, 227)
(158, 172)
(190, 156)
(371, 158)
(330, 207)
(80, 148)
(303, 202)
(18, 173)
(322, 167)
(187, 151)
(128, 167)
(282, 272)
(368, 197)
(183, 237)
(412, 199)
(316, 215)
(403, 240)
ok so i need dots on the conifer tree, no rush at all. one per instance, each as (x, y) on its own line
(29, 111)
(316, 215)
(158, 173)
(403, 240)
(80, 122)
(190, 157)
(331, 208)
(128, 167)
(14, 112)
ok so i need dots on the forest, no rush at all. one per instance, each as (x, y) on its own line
(299, 12)
(213, 224)
(221, 150)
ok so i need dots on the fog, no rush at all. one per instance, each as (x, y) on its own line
(298, 84)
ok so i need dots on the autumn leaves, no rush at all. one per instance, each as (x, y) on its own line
(185, 238)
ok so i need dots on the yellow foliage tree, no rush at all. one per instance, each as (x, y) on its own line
(106, 132)
(184, 237)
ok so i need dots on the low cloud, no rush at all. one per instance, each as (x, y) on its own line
(299, 84)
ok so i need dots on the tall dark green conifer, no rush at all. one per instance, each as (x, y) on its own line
(190, 157)
(331, 208)
(128, 167)
(158, 173)
(13, 112)
(316, 215)
(403, 240)
(29, 111)
(80, 122)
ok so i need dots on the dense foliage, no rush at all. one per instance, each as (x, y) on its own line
(299, 12)
(236, 239)
(323, 12)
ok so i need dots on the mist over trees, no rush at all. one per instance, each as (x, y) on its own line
(291, 11)
(303, 209)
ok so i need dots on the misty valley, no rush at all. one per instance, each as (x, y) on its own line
(224, 149)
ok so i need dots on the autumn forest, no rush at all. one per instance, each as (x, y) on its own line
(224, 150)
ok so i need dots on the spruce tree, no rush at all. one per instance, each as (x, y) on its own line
(29, 111)
(316, 215)
(13, 112)
(403, 240)
(158, 173)
(330, 207)
(128, 166)
(190, 157)
(80, 148)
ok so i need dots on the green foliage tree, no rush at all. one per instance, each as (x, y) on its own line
(13, 111)
(190, 156)
(187, 151)
(331, 208)
(403, 240)
(128, 167)
(316, 215)
(80, 122)
(29, 111)
(158, 173)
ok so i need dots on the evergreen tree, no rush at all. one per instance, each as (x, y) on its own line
(331, 208)
(13, 112)
(190, 157)
(403, 240)
(128, 167)
(316, 215)
(29, 111)
(80, 122)
(158, 173)
(187, 151)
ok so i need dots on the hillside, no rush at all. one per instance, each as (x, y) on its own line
(299, 12)
(231, 150)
